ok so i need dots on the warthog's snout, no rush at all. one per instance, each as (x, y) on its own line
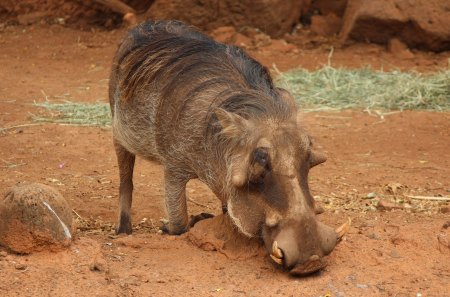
(301, 247)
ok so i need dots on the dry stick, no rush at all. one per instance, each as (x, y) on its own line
(73, 210)
(429, 198)
(116, 6)
(198, 203)
(19, 126)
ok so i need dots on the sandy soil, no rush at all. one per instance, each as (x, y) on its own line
(401, 250)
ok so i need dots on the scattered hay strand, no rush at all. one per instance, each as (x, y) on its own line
(333, 88)
(75, 113)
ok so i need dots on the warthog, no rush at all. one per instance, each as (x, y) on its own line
(207, 110)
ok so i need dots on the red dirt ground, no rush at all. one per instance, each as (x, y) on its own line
(399, 252)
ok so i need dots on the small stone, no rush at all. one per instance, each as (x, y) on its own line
(373, 236)
(444, 209)
(224, 34)
(130, 19)
(362, 286)
(99, 265)
(446, 225)
(31, 18)
(326, 25)
(394, 254)
(386, 205)
(399, 49)
(20, 266)
(371, 195)
(3, 254)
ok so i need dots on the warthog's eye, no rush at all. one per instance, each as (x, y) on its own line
(261, 156)
(259, 165)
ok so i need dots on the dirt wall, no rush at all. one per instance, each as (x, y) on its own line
(419, 24)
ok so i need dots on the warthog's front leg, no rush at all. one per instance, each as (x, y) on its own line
(176, 206)
(175, 198)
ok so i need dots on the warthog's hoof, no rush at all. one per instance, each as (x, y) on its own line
(34, 217)
(197, 218)
(166, 228)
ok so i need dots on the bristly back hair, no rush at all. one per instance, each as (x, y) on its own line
(182, 62)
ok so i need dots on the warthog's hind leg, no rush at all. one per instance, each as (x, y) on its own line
(125, 161)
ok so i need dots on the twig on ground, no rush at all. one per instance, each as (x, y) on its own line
(19, 126)
(73, 210)
(431, 198)
(197, 203)
(333, 117)
(275, 68)
(11, 164)
(45, 95)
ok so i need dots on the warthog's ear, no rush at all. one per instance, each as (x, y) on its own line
(233, 125)
(289, 99)
(316, 158)
(286, 96)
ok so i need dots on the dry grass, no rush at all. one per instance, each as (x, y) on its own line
(332, 88)
(74, 113)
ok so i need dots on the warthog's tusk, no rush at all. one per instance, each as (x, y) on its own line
(277, 260)
(277, 254)
(314, 258)
(276, 250)
(343, 229)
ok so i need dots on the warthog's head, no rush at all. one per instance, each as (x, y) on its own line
(268, 174)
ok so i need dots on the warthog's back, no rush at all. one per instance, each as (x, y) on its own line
(167, 79)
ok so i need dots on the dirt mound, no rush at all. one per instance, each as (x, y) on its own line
(274, 17)
(219, 234)
(34, 217)
(423, 24)
(419, 24)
